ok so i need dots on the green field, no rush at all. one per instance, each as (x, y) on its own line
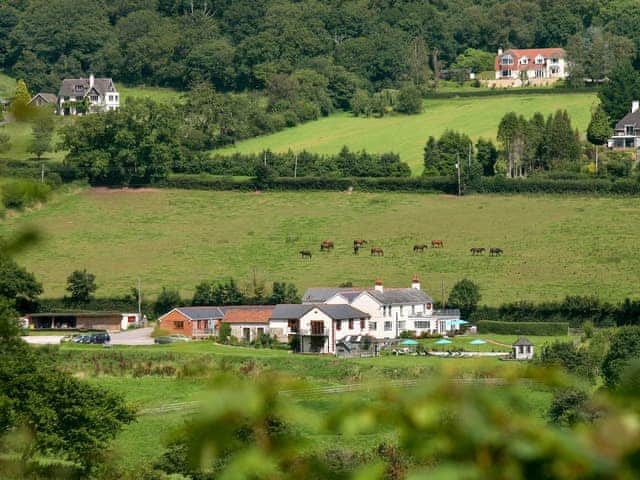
(553, 245)
(407, 135)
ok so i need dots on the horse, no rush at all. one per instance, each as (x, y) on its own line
(377, 251)
(359, 243)
(477, 250)
(437, 243)
(419, 247)
(305, 254)
(356, 249)
(326, 245)
(495, 252)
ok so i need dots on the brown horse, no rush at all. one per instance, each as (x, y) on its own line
(305, 254)
(377, 251)
(420, 247)
(437, 243)
(326, 245)
(495, 252)
(359, 243)
(477, 250)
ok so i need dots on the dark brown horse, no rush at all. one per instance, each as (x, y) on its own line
(437, 243)
(495, 252)
(326, 245)
(477, 250)
(377, 251)
(359, 243)
(305, 254)
(420, 247)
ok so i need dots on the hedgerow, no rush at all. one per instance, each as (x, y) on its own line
(523, 328)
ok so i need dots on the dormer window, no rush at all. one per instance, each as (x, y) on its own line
(628, 130)
(78, 88)
(506, 60)
(524, 61)
(539, 60)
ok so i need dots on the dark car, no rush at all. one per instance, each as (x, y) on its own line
(99, 338)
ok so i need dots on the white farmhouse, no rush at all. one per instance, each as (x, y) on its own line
(391, 310)
(87, 95)
(533, 66)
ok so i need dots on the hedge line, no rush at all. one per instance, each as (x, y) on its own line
(498, 92)
(410, 184)
(523, 328)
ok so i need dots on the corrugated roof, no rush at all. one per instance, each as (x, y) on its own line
(201, 313)
(247, 315)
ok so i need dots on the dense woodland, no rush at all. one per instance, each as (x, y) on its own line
(245, 45)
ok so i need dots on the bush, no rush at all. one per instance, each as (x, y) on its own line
(624, 348)
(409, 100)
(523, 328)
(24, 193)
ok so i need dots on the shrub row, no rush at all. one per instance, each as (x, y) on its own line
(409, 184)
(19, 194)
(498, 92)
(96, 304)
(573, 309)
(523, 328)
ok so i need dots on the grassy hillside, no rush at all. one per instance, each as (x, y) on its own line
(406, 135)
(553, 245)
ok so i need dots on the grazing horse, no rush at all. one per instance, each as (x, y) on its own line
(359, 243)
(356, 249)
(305, 254)
(477, 250)
(437, 243)
(326, 245)
(419, 247)
(377, 251)
(495, 252)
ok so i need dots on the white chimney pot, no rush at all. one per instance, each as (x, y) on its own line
(635, 106)
(91, 80)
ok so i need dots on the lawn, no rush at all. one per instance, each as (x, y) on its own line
(554, 245)
(407, 135)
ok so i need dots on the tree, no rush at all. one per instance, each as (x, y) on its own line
(441, 156)
(41, 135)
(571, 406)
(599, 129)
(227, 293)
(167, 300)
(465, 295)
(81, 285)
(409, 100)
(203, 294)
(224, 333)
(474, 60)
(20, 105)
(622, 88)
(625, 347)
(487, 155)
(282, 292)
(18, 284)
(575, 360)
(361, 103)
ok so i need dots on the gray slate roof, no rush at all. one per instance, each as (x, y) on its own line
(336, 312)
(102, 85)
(522, 341)
(629, 119)
(390, 296)
(201, 313)
(48, 97)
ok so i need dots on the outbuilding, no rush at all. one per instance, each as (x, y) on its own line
(110, 321)
(523, 349)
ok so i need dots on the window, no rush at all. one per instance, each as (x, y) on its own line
(554, 60)
(539, 73)
(506, 73)
(78, 88)
(524, 61)
(362, 324)
(628, 130)
(79, 98)
(429, 306)
(178, 324)
(94, 98)
(506, 60)
(338, 324)
(373, 326)
(67, 98)
(111, 98)
(401, 325)
(388, 326)
(539, 60)
(351, 324)
(421, 324)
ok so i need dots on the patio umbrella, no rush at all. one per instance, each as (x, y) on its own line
(477, 341)
(443, 341)
(409, 341)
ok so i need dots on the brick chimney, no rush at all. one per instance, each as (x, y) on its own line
(415, 282)
(378, 286)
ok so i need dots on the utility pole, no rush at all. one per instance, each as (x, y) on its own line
(265, 158)
(458, 168)
(442, 286)
(295, 167)
(139, 303)
(470, 147)
(42, 174)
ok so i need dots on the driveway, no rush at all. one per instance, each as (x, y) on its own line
(137, 336)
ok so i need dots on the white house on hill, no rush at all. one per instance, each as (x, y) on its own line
(97, 94)
(626, 133)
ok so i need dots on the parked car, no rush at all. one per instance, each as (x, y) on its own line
(174, 338)
(84, 338)
(99, 338)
